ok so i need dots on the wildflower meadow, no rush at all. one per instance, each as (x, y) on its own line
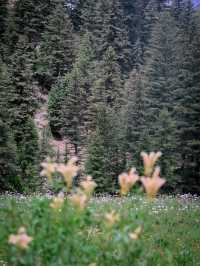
(76, 227)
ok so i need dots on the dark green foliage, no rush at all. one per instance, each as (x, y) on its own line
(107, 86)
(150, 109)
(26, 19)
(161, 73)
(96, 161)
(106, 101)
(55, 54)
(104, 20)
(22, 100)
(82, 52)
(164, 138)
(56, 98)
(30, 18)
(134, 116)
(188, 102)
(9, 170)
(45, 147)
(76, 101)
(151, 13)
(28, 154)
(8, 154)
(105, 155)
(161, 65)
(3, 20)
(3, 16)
(22, 105)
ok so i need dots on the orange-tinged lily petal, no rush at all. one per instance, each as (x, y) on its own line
(48, 169)
(126, 181)
(57, 202)
(111, 218)
(88, 186)
(68, 171)
(153, 184)
(149, 161)
(20, 240)
(79, 200)
(135, 235)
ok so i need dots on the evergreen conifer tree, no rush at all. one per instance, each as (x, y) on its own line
(3, 20)
(187, 98)
(106, 101)
(22, 105)
(134, 116)
(28, 154)
(45, 147)
(105, 21)
(9, 169)
(165, 139)
(107, 86)
(77, 92)
(56, 98)
(160, 78)
(30, 18)
(23, 99)
(105, 155)
(161, 65)
(56, 50)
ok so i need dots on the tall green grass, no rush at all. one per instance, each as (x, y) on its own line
(66, 237)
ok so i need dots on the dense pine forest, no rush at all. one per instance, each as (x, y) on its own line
(102, 80)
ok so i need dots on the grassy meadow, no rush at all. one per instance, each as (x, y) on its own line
(108, 231)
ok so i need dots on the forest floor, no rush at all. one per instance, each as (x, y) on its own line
(169, 231)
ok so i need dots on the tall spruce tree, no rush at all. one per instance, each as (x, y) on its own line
(3, 20)
(105, 21)
(106, 102)
(188, 97)
(56, 49)
(161, 65)
(23, 100)
(107, 86)
(9, 169)
(28, 154)
(161, 76)
(3, 16)
(135, 16)
(27, 19)
(22, 103)
(30, 18)
(105, 159)
(165, 140)
(77, 92)
(55, 105)
(134, 116)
